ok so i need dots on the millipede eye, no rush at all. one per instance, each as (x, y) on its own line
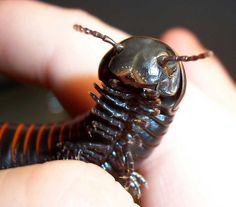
(169, 67)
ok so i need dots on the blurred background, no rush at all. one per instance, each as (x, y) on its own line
(213, 21)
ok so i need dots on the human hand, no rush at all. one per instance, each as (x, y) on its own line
(38, 45)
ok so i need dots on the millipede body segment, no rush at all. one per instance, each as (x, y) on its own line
(142, 84)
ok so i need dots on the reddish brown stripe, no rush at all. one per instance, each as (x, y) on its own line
(61, 133)
(50, 136)
(14, 141)
(38, 139)
(26, 140)
(2, 130)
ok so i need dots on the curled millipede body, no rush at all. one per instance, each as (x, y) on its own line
(143, 82)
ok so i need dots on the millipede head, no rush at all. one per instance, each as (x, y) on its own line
(143, 62)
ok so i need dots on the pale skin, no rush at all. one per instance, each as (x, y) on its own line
(194, 165)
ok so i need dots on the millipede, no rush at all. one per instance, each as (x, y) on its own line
(142, 84)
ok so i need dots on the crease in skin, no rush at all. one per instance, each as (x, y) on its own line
(47, 80)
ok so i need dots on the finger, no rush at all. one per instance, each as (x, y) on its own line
(208, 74)
(193, 166)
(61, 183)
(38, 44)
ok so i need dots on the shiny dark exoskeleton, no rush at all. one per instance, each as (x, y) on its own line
(143, 82)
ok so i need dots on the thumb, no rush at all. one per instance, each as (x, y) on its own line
(61, 183)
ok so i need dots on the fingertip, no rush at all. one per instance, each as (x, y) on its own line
(209, 75)
(183, 41)
(61, 183)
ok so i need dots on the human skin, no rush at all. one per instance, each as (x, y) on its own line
(194, 165)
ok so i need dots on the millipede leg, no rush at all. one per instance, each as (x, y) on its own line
(111, 120)
(88, 152)
(131, 180)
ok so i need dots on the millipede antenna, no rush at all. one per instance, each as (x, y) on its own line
(99, 35)
(165, 59)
